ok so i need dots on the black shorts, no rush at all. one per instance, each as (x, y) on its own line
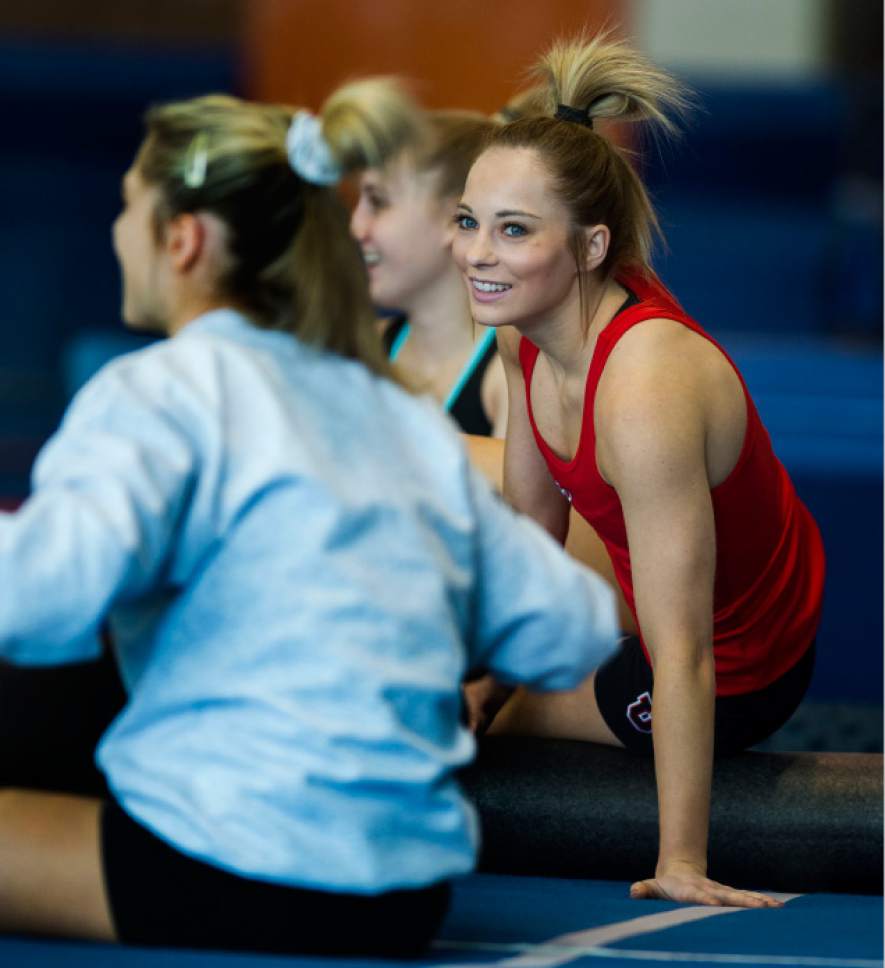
(51, 719)
(160, 896)
(624, 687)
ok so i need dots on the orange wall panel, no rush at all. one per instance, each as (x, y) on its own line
(461, 54)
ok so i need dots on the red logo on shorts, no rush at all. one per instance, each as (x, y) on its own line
(639, 713)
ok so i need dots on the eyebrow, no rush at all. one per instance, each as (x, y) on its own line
(506, 213)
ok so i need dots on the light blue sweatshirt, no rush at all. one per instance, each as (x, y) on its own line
(299, 565)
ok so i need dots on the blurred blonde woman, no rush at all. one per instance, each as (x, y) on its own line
(298, 564)
(623, 409)
(404, 221)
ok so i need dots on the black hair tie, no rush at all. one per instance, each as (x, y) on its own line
(576, 115)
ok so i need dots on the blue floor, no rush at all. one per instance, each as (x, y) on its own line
(528, 922)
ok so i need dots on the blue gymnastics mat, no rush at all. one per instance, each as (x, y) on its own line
(530, 922)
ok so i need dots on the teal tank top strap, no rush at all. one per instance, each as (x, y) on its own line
(397, 345)
(479, 352)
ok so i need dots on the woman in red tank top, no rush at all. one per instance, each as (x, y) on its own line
(623, 407)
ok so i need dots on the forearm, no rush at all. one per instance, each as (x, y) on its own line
(682, 731)
(57, 575)
(543, 505)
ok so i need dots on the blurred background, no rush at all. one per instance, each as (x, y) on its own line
(771, 203)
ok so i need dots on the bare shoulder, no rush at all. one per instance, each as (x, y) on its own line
(651, 397)
(657, 358)
(667, 393)
(664, 357)
(660, 343)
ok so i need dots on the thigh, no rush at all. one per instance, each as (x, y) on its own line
(51, 879)
(561, 715)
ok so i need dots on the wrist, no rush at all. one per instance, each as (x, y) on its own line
(680, 865)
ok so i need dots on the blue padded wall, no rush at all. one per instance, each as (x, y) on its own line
(71, 124)
(822, 405)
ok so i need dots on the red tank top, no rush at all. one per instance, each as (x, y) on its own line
(769, 555)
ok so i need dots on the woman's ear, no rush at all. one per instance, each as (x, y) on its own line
(597, 239)
(185, 240)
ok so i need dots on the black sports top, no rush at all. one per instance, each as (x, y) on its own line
(464, 401)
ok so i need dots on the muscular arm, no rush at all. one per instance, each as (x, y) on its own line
(528, 487)
(651, 446)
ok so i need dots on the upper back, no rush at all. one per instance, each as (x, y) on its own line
(299, 449)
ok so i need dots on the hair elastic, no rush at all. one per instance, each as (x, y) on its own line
(565, 112)
(309, 152)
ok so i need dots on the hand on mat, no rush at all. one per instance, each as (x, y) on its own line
(483, 698)
(689, 885)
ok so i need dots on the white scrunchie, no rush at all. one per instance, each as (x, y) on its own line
(309, 153)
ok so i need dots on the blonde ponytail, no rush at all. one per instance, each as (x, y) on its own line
(581, 81)
(610, 79)
(292, 263)
(367, 122)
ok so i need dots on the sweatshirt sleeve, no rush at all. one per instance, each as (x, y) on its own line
(109, 489)
(542, 618)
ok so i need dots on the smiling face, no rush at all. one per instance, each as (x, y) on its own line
(512, 241)
(404, 231)
(140, 255)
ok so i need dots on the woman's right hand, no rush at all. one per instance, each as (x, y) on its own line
(483, 699)
(691, 886)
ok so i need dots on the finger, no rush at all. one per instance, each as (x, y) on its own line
(764, 900)
(644, 890)
(733, 898)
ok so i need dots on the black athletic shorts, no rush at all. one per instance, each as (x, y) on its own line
(160, 896)
(624, 687)
(51, 719)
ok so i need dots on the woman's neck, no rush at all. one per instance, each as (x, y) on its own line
(440, 324)
(564, 337)
(192, 309)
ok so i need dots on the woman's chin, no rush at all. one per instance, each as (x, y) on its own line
(383, 298)
(487, 315)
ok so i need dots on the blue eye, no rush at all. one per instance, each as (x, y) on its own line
(514, 230)
(466, 222)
